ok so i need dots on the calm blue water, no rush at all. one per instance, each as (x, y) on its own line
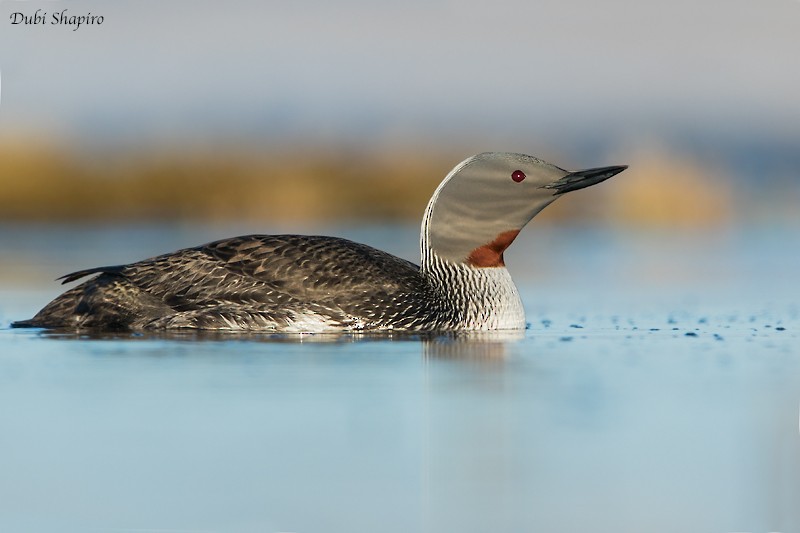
(657, 389)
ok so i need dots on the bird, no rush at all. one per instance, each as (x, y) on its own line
(317, 284)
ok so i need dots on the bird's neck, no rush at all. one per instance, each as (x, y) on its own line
(471, 282)
(479, 298)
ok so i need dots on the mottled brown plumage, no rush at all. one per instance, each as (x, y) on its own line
(251, 282)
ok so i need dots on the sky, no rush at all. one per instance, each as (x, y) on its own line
(440, 71)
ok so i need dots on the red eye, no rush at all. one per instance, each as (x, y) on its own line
(518, 175)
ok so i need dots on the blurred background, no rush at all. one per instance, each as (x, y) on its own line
(317, 111)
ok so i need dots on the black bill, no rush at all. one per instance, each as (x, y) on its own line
(584, 178)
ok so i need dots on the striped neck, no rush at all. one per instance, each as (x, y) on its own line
(478, 298)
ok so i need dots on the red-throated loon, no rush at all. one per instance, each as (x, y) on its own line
(295, 283)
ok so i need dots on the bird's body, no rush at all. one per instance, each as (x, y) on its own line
(255, 282)
(295, 283)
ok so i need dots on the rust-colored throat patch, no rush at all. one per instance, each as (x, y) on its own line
(491, 254)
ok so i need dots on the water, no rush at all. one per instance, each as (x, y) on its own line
(658, 389)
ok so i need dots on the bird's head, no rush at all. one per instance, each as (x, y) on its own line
(484, 202)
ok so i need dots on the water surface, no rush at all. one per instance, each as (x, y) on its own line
(657, 389)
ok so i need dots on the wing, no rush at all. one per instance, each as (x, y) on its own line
(313, 266)
(292, 274)
(281, 282)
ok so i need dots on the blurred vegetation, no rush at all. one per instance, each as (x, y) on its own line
(44, 183)
(41, 182)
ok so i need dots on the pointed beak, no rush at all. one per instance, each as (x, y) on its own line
(584, 178)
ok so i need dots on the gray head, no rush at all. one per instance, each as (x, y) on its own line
(481, 206)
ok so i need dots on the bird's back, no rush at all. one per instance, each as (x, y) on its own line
(254, 282)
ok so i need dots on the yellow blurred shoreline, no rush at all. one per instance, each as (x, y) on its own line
(47, 182)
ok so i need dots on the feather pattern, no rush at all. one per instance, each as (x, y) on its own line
(254, 282)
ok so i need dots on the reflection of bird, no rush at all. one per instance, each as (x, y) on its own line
(307, 283)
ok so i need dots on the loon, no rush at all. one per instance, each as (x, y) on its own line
(307, 284)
